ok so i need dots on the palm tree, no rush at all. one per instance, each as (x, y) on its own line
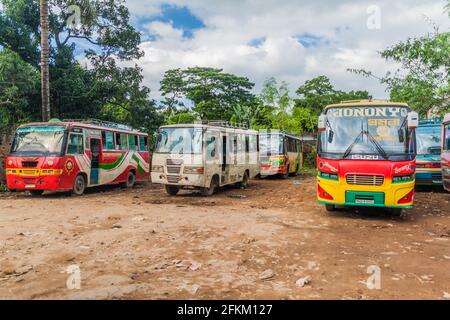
(45, 81)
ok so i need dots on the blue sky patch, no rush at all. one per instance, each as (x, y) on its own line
(309, 40)
(179, 17)
(257, 42)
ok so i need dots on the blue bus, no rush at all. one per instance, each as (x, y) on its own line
(428, 160)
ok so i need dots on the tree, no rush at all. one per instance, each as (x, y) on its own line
(215, 95)
(19, 84)
(422, 80)
(318, 92)
(45, 85)
(76, 91)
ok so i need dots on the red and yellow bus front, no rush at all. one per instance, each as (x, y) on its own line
(35, 161)
(366, 156)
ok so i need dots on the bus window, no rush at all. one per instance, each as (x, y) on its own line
(247, 144)
(108, 140)
(121, 141)
(132, 142)
(75, 144)
(211, 147)
(447, 138)
(143, 143)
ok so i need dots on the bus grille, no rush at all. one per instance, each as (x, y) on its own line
(29, 164)
(173, 179)
(173, 169)
(365, 180)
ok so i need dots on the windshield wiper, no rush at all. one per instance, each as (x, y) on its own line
(350, 147)
(379, 148)
(363, 132)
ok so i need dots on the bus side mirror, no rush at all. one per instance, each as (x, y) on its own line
(322, 123)
(413, 120)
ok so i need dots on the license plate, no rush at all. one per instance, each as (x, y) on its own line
(30, 186)
(360, 201)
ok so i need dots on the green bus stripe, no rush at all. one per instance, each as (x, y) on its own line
(110, 166)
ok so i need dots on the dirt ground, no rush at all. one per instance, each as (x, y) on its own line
(258, 243)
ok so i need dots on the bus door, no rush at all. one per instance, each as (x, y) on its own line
(212, 154)
(225, 165)
(95, 146)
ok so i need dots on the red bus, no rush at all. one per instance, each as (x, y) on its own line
(445, 157)
(74, 155)
(366, 155)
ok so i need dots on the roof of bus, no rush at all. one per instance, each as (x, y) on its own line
(280, 133)
(447, 118)
(366, 103)
(194, 125)
(82, 125)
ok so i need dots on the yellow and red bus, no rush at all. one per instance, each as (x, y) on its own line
(74, 155)
(280, 154)
(366, 155)
(445, 156)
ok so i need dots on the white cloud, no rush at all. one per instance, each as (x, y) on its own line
(230, 25)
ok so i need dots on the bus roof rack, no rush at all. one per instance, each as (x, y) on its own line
(103, 123)
(353, 101)
(222, 123)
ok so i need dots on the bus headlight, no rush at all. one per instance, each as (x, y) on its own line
(158, 169)
(194, 170)
(401, 179)
(329, 176)
(50, 163)
(10, 163)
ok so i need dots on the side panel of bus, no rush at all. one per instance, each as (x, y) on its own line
(445, 159)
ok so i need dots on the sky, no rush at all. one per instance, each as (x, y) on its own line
(291, 40)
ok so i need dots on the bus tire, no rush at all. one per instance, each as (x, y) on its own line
(36, 193)
(79, 185)
(286, 175)
(396, 212)
(244, 183)
(214, 185)
(330, 207)
(131, 180)
(172, 190)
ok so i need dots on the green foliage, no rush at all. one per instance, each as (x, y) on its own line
(319, 92)
(215, 95)
(19, 83)
(181, 118)
(423, 77)
(3, 188)
(105, 89)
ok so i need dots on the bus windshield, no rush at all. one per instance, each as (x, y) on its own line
(356, 132)
(39, 140)
(180, 141)
(428, 140)
(271, 144)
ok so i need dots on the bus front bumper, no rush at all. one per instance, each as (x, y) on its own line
(388, 195)
(183, 180)
(429, 177)
(17, 179)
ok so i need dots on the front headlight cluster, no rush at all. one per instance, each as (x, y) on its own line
(159, 169)
(194, 170)
(329, 176)
(401, 179)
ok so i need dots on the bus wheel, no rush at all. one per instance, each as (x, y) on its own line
(244, 183)
(172, 190)
(131, 180)
(285, 175)
(294, 174)
(330, 207)
(207, 192)
(79, 186)
(396, 212)
(36, 193)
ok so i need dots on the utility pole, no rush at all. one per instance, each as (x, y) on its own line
(45, 77)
